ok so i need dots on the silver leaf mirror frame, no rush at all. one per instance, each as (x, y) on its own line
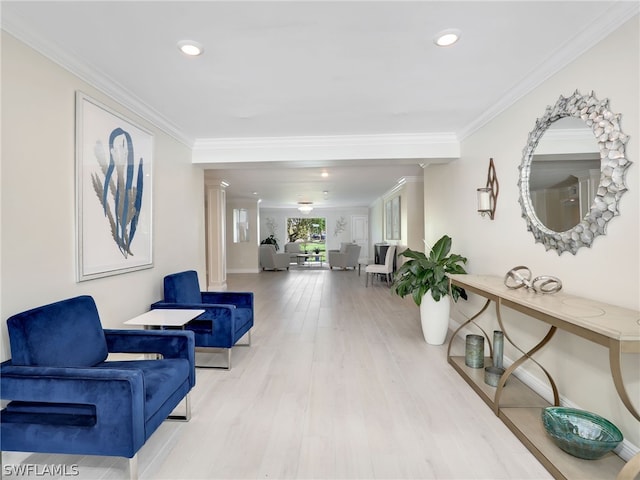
(613, 165)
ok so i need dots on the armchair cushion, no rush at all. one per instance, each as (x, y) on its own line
(167, 343)
(64, 333)
(182, 288)
(163, 380)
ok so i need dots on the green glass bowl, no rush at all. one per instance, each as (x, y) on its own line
(580, 433)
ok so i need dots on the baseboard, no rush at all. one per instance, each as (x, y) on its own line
(243, 270)
(625, 450)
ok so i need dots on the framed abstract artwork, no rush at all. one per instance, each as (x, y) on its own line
(114, 167)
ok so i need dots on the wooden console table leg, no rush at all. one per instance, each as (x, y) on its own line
(526, 356)
(631, 469)
(615, 362)
(471, 320)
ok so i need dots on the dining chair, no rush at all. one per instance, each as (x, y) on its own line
(379, 269)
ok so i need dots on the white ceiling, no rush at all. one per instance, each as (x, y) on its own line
(314, 68)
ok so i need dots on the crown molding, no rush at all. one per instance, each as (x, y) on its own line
(400, 184)
(91, 75)
(592, 34)
(323, 148)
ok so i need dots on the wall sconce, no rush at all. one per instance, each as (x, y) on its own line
(488, 195)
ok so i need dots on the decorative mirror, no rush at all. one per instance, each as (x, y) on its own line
(572, 172)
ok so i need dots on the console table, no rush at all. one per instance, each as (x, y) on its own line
(519, 407)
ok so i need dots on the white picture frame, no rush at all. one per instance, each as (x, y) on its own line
(114, 167)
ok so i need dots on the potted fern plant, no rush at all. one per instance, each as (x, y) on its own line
(271, 240)
(425, 279)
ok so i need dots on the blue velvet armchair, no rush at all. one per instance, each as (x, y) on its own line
(64, 397)
(228, 316)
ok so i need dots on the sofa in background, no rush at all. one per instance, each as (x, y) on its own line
(272, 260)
(65, 397)
(227, 318)
(346, 257)
(293, 249)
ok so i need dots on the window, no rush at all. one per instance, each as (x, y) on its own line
(310, 232)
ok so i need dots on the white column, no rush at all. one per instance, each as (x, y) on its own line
(215, 210)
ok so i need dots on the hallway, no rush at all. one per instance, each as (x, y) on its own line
(338, 383)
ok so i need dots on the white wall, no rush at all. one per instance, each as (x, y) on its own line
(38, 214)
(609, 271)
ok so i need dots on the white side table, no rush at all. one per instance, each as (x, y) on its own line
(169, 317)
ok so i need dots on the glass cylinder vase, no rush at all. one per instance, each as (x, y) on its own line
(474, 351)
(498, 348)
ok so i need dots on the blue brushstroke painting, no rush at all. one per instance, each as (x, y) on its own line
(123, 182)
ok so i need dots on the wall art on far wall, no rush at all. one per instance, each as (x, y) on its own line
(114, 160)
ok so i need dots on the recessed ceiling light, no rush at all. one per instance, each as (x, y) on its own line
(325, 174)
(191, 48)
(447, 37)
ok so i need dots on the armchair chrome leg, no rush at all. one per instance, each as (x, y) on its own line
(187, 410)
(248, 344)
(133, 467)
(187, 407)
(205, 349)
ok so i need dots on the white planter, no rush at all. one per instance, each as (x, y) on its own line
(434, 317)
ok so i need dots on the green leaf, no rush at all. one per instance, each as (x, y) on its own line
(422, 274)
(441, 249)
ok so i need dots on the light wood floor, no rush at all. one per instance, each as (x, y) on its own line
(338, 384)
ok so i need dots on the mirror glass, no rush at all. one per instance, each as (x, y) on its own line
(241, 225)
(572, 172)
(565, 171)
